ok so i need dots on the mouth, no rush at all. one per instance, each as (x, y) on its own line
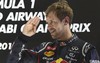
(52, 31)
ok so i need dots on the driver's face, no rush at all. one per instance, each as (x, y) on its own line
(55, 26)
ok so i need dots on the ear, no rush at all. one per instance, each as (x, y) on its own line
(66, 20)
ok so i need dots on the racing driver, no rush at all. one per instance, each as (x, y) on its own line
(66, 48)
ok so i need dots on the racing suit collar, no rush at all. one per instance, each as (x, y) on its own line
(74, 37)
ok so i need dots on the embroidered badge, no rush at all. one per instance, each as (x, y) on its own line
(49, 53)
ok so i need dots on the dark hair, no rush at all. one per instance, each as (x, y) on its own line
(61, 10)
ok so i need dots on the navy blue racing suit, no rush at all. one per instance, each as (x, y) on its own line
(73, 50)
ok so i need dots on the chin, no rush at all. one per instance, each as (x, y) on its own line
(53, 37)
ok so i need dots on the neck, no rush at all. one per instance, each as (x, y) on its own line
(66, 36)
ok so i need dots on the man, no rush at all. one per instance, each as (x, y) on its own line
(67, 47)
